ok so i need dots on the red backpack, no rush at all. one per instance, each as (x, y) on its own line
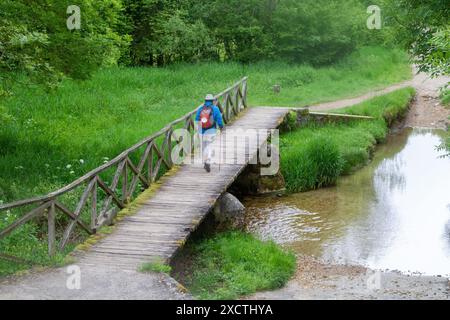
(206, 118)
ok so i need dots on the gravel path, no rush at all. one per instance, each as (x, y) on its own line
(95, 283)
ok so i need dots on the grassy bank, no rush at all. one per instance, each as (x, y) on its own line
(316, 155)
(234, 264)
(47, 140)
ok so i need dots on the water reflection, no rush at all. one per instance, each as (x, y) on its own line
(393, 214)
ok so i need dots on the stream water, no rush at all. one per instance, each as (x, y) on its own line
(392, 214)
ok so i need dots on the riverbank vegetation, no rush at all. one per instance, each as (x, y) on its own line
(233, 264)
(316, 155)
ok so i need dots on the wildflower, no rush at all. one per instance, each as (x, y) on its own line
(68, 166)
(81, 161)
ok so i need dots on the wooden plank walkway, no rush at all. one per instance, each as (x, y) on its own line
(166, 220)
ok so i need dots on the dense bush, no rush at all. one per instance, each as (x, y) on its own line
(316, 31)
(423, 27)
(305, 31)
(34, 39)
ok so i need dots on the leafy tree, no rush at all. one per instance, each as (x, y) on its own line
(243, 28)
(22, 51)
(423, 27)
(177, 40)
(35, 40)
(318, 31)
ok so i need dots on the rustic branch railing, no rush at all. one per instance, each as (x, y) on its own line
(98, 201)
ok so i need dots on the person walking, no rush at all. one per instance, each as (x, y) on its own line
(209, 119)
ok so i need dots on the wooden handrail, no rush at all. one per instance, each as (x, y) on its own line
(230, 101)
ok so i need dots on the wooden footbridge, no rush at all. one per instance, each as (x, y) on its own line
(163, 222)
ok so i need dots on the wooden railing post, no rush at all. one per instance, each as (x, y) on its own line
(51, 222)
(94, 207)
(125, 182)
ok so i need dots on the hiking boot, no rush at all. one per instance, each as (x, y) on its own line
(207, 167)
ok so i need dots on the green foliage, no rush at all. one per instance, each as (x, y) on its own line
(317, 164)
(242, 28)
(423, 27)
(22, 51)
(158, 267)
(338, 148)
(303, 31)
(34, 39)
(316, 31)
(234, 264)
(365, 69)
(164, 33)
(180, 41)
(445, 96)
(389, 107)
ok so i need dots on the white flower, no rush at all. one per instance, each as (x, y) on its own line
(81, 161)
(72, 172)
(68, 166)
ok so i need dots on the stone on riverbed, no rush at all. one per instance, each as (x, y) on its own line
(228, 210)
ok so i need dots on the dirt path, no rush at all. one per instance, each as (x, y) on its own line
(426, 111)
(94, 283)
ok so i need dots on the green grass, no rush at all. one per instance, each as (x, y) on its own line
(343, 147)
(158, 267)
(445, 97)
(47, 140)
(234, 264)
